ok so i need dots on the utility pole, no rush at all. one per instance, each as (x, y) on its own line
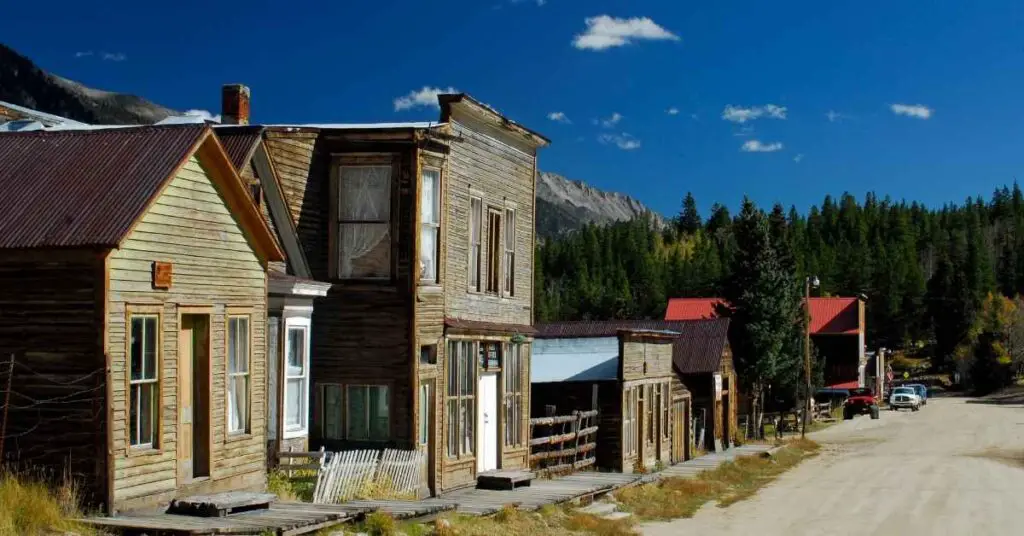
(808, 281)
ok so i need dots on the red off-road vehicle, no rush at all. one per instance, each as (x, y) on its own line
(861, 401)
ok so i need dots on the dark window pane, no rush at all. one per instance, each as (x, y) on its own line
(136, 347)
(133, 415)
(149, 348)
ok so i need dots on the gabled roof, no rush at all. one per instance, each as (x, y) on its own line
(697, 348)
(87, 188)
(829, 315)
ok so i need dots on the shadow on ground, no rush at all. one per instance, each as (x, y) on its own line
(1012, 396)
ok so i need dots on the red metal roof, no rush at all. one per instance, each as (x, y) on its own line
(829, 316)
(239, 142)
(79, 188)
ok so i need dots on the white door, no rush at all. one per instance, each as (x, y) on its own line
(487, 423)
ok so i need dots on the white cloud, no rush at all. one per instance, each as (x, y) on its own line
(559, 117)
(203, 114)
(624, 141)
(605, 31)
(918, 111)
(672, 111)
(833, 116)
(83, 54)
(611, 121)
(798, 158)
(114, 56)
(538, 2)
(426, 97)
(755, 146)
(738, 114)
(694, 117)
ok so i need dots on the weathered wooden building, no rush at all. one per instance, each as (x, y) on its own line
(425, 232)
(626, 373)
(133, 296)
(703, 360)
(291, 290)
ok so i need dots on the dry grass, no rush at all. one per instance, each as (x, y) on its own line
(728, 484)
(30, 507)
(509, 521)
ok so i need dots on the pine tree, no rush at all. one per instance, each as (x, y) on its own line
(689, 218)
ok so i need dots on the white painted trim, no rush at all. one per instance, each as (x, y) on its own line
(303, 323)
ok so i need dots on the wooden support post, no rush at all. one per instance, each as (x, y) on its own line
(7, 403)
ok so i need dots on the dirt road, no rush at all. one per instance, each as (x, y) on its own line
(944, 470)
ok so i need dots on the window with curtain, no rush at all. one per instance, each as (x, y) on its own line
(364, 222)
(144, 382)
(368, 411)
(508, 287)
(330, 411)
(296, 377)
(238, 374)
(461, 398)
(476, 216)
(430, 224)
(513, 395)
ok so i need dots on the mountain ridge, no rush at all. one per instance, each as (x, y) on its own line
(562, 204)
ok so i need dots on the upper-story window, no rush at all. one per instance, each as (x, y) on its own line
(430, 224)
(364, 222)
(494, 250)
(508, 286)
(476, 216)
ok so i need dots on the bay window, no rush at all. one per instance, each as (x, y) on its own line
(296, 385)
(144, 382)
(430, 224)
(238, 375)
(363, 221)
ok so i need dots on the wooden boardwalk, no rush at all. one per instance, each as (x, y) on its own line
(711, 461)
(541, 492)
(281, 519)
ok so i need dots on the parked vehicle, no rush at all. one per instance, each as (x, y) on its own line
(904, 397)
(861, 401)
(921, 391)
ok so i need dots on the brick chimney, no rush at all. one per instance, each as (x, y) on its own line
(234, 104)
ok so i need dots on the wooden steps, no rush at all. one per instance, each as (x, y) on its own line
(221, 504)
(504, 480)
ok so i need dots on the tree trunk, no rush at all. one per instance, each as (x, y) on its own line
(757, 408)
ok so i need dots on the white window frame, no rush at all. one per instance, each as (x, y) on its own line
(476, 246)
(302, 324)
(508, 257)
(230, 376)
(138, 385)
(435, 225)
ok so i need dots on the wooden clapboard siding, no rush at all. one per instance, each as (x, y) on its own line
(646, 358)
(502, 174)
(189, 226)
(304, 176)
(51, 305)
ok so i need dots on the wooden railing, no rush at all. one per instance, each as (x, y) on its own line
(563, 443)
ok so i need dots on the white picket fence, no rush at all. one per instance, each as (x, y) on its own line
(392, 472)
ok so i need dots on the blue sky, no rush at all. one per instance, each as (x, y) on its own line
(614, 69)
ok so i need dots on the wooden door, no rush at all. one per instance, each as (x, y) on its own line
(678, 431)
(193, 438)
(427, 439)
(487, 423)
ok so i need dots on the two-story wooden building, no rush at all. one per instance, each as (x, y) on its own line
(425, 232)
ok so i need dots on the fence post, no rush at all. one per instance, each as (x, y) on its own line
(7, 403)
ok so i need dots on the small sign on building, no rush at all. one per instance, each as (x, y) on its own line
(718, 386)
(162, 275)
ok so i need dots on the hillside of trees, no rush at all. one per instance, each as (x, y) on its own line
(925, 272)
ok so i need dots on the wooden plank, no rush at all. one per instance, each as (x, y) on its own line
(220, 504)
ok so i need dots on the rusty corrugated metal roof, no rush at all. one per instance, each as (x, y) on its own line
(697, 348)
(693, 308)
(239, 142)
(79, 188)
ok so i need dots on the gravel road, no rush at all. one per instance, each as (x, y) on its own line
(948, 469)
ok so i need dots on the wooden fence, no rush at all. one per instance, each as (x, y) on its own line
(378, 474)
(563, 443)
